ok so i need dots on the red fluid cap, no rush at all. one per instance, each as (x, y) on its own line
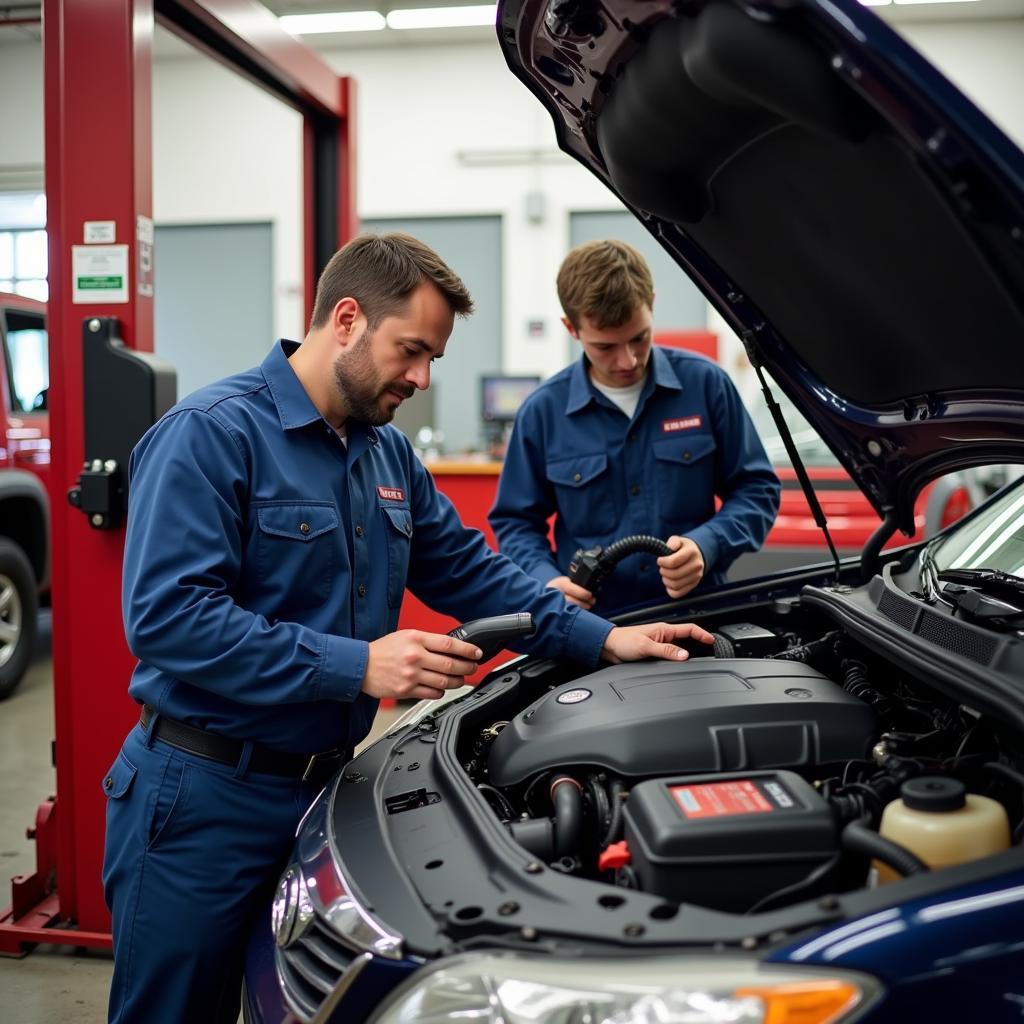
(615, 856)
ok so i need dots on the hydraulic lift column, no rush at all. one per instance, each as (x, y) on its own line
(97, 57)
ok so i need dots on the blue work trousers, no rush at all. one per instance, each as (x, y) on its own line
(193, 851)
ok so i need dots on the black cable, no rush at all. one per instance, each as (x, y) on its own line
(787, 891)
(618, 794)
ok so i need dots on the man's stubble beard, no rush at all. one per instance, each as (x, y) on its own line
(360, 385)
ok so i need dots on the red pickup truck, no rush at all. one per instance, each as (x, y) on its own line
(24, 473)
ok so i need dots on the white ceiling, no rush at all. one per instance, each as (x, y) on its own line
(170, 48)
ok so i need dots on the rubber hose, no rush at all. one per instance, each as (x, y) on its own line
(567, 798)
(861, 839)
(619, 549)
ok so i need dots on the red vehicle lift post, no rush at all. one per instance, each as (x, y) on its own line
(98, 84)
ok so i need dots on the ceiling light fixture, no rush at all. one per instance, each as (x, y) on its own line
(933, 1)
(443, 17)
(332, 21)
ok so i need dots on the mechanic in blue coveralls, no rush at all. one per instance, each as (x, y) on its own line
(631, 439)
(274, 523)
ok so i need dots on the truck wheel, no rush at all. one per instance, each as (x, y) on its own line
(19, 607)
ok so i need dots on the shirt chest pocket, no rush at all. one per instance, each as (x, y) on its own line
(685, 479)
(584, 494)
(296, 544)
(398, 533)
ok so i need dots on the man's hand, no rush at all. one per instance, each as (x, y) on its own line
(683, 569)
(631, 643)
(411, 663)
(574, 593)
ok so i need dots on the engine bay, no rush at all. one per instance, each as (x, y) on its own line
(747, 778)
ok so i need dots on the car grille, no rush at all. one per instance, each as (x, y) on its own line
(311, 966)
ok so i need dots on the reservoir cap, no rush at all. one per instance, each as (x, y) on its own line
(933, 793)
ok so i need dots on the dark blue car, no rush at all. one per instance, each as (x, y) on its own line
(821, 821)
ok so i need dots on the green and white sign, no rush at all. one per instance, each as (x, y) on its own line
(99, 273)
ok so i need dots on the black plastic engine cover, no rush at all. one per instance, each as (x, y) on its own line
(660, 717)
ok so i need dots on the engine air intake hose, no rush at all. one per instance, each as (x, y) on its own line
(591, 567)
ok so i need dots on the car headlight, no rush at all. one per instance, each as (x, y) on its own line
(315, 887)
(513, 989)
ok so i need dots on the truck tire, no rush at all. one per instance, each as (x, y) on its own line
(19, 608)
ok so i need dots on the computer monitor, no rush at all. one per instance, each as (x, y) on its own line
(501, 395)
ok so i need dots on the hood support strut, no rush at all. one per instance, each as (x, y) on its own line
(794, 456)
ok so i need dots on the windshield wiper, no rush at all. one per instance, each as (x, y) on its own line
(985, 595)
(989, 580)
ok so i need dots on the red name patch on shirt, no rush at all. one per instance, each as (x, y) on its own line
(391, 493)
(686, 423)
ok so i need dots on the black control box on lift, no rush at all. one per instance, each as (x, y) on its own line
(726, 841)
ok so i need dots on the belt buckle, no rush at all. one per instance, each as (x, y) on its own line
(322, 756)
(311, 764)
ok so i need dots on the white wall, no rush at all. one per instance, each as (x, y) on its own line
(21, 113)
(224, 152)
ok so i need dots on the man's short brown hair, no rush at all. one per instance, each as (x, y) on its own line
(606, 281)
(380, 272)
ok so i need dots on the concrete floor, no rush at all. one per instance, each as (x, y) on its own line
(53, 984)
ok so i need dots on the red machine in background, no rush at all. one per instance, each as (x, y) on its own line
(98, 79)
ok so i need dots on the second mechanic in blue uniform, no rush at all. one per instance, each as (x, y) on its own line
(631, 439)
(274, 523)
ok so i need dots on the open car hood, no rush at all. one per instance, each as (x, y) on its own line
(856, 220)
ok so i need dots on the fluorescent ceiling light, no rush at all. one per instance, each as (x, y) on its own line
(875, 3)
(337, 21)
(443, 17)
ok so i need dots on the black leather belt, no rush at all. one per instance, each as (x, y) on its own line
(308, 767)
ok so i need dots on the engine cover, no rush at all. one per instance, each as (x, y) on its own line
(660, 717)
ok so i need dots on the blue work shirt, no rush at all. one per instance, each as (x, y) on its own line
(574, 452)
(262, 557)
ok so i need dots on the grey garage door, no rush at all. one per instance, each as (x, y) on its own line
(213, 299)
(472, 248)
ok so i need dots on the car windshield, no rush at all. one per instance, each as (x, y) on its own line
(812, 450)
(993, 539)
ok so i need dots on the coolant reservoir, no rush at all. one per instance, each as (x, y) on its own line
(936, 819)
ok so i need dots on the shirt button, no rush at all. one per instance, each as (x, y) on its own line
(686, 456)
(108, 783)
(303, 528)
(359, 531)
(362, 590)
(577, 477)
(644, 566)
(634, 490)
(632, 437)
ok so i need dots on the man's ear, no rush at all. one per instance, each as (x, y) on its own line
(571, 327)
(345, 320)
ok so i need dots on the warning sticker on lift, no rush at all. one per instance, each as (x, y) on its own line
(722, 799)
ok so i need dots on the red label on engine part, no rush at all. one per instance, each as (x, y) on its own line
(391, 493)
(686, 423)
(720, 799)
